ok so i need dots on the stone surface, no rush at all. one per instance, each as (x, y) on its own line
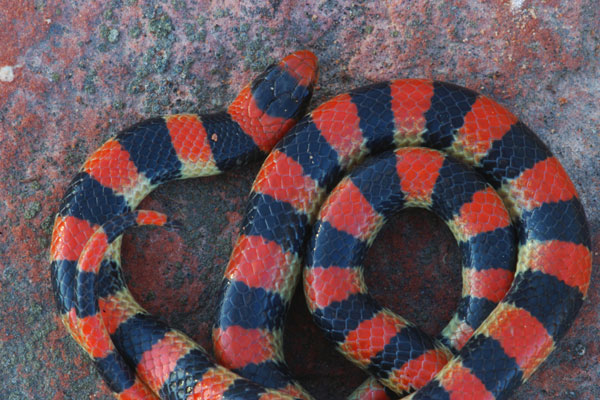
(74, 73)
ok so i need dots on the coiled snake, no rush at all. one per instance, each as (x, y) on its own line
(474, 358)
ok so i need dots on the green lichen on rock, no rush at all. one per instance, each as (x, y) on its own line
(89, 84)
(32, 210)
(113, 36)
(221, 13)
(161, 26)
(179, 5)
(46, 225)
(104, 32)
(135, 31)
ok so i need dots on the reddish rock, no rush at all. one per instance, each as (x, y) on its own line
(75, 73)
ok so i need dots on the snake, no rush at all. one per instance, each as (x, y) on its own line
(302, 211)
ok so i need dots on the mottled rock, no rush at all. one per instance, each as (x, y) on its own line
(72, 74)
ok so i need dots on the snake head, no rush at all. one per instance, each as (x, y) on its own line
(277, 98)
(285, 89)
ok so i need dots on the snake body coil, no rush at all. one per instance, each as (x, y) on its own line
(141, 357)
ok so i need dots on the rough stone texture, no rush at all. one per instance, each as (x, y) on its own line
(73, 73)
